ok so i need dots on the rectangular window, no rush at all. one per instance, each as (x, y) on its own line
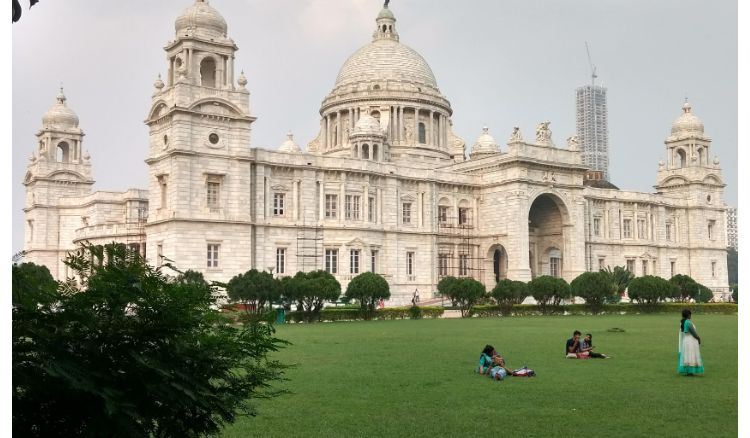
(443, 215)
(644, 267)
(711, 225)
(280, 260)
(163, 191)
(713, 269)
(672, 270)
(354, 261)
(597, 226)
(212, 255)
(641, 228)
(332, 202)
(668, 232)
(406, 212)
(554, 266)
(627, 230)
(410, 265)
(351, 207)
(278, 204)
(371, 209)
(212, 194)
(463, 265)
(630, 265)
(442, 265)
(463, 216)
(373, 261)
(332, 261)
(601, 263)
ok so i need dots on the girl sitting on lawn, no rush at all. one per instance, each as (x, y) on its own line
(485, 359)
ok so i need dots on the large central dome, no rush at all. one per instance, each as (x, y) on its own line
(385, 60)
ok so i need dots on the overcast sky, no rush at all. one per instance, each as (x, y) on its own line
(500, 64)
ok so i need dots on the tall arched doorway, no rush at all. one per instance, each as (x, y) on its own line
(499, 259)
(547, 217)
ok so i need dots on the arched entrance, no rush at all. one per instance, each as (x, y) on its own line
(499, 258)
(547, 218)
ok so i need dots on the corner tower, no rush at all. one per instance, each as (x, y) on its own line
(58, 170)
(199, 142)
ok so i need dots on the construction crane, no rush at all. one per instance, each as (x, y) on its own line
(591, 66)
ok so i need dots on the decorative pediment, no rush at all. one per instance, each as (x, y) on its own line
(674, 181)
(280, 188)
(216, 107)
(157, 110)
(356, 242)
(408, 197)
(712, 179)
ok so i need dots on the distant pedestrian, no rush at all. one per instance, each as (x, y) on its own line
(689, 360)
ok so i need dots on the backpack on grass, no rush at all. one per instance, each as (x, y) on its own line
(523, 372)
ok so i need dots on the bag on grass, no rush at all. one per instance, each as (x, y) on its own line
(524, 372)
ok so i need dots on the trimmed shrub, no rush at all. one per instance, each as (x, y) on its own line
(368, 288)
(686, 288)
(255, 289)
(549, 291)
(594, 287)
(509, 292)
(649, 290)
(465, 292)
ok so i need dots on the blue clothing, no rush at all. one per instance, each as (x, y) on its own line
(498, 373)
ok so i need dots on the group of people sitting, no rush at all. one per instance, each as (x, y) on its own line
(492, 364)
(577, 348)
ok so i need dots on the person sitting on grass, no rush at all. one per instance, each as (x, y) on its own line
(485, 359)
(499, 370)
(573, 347)
(587, 347)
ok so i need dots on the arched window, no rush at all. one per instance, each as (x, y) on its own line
(422, 133)
(366, 151)
(208, 72)
(384, 28)
(63, 152)
(681, 158)
(700, 156)
(376, 114)
(375, 152)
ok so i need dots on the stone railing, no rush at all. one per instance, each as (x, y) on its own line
(110, 230)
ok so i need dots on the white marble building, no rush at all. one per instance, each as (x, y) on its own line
(384, 187)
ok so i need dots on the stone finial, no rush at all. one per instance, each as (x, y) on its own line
(86, 156)
(716, 160)
(515, 136)
(573, 143)
(32, 158)
(242, 80)
(159, 84)
(661, 164)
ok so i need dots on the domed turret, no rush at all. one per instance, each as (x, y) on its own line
(367, 125)
(485, 144)
(201, 20)
(289, 146)
(687, 123)
(60, 116)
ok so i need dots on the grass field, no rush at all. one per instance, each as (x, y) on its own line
(415, 378)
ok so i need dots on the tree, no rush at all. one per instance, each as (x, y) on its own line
(131, 354)
(368, 288)
(32, 285)
(649, 290)
(732, 261)
(733, 287)
(17, 9)
(685, 288)
(310, 291)
(465, 292)
(508, 292)
(549, 291)
(594, 287)
(704, 294)
(621, 278)
(255, 289)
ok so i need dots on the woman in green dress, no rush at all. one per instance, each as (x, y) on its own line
(689, 361)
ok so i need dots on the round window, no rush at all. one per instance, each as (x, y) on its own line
(178, 62)
(708, 199)
(213, 138)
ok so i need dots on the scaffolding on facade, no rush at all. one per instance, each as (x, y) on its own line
(457, 250)
(309, 247)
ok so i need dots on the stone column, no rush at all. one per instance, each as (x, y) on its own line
(416, 125)
(365, 205)
(342, 194)
(400, 134)
(295, 196)
(322, 200)
(230, 72)
(431, 137)
(328, 132)
(379, 206)
(518, 237)
(170, 72)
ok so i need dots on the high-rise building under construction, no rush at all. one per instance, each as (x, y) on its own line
(591, 127)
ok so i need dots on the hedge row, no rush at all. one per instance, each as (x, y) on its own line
(352, 314)
(607, 309)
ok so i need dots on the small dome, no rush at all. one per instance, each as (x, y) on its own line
(60, 116)
(201, 20)
(159, 84)
(386, 13)
(485, 143)
(367, 124)
(289, 145)
(687, 122)
(242, 80)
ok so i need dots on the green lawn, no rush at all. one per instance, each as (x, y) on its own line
(415, 378)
